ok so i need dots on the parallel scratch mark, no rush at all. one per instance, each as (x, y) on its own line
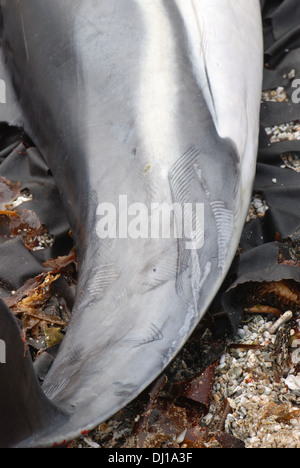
(25, 39)
(224, 221)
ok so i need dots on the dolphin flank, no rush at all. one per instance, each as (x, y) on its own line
(138, 107)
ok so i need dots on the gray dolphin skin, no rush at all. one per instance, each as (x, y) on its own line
(147, 113)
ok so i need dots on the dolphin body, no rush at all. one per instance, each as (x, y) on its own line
(133, 104)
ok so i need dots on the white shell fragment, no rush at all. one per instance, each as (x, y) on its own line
(283, 319)
(293, 383)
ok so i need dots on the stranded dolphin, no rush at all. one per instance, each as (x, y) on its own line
(147, 113)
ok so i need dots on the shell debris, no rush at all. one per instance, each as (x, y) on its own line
(275, 95)
(265, 410)
(289, 131)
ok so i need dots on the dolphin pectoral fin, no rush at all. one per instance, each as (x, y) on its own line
(24, 409)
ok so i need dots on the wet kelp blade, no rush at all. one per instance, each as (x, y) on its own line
(26, 409)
